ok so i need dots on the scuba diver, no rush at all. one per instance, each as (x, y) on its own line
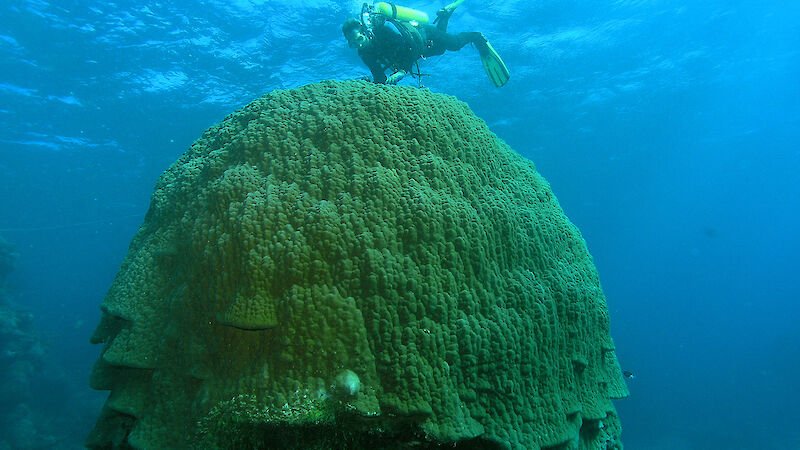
(382, 48)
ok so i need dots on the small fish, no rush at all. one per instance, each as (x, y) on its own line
(628, 374)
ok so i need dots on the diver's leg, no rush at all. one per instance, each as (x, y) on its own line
(437, 41)
(456, 42)
(443, 15)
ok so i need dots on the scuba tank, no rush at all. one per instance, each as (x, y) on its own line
(383, 11)
(406, 20)
(392, 11)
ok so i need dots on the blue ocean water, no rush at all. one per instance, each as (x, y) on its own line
(669, 130)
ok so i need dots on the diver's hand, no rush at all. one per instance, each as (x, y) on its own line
(395, 77)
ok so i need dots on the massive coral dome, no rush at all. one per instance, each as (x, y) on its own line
(348, 265)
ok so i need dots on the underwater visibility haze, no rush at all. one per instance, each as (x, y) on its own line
(668, 132)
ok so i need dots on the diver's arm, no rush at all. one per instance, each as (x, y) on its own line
(378, 75)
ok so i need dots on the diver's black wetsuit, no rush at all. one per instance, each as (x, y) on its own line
(399, 50)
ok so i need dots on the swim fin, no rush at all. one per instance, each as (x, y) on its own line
(494, 66)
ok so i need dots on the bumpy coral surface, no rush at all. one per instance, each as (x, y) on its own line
(348, 265)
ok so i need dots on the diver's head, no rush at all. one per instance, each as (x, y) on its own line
(354, 33)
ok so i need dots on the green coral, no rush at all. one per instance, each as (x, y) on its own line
(243, 422)
(307, 421)
(380, 232)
